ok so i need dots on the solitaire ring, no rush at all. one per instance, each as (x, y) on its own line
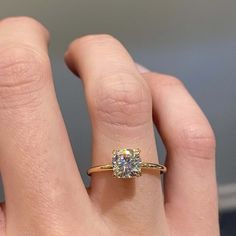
(127, 163)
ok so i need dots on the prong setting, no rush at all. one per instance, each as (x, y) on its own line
(126, 163)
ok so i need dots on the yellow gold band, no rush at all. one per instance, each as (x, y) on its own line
(144, 165)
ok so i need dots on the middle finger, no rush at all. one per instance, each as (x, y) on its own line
(120, 107)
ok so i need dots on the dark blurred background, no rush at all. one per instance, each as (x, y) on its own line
(193, 40)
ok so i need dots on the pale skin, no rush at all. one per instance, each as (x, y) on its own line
(44, 193)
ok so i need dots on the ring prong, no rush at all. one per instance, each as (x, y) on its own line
(137, 151)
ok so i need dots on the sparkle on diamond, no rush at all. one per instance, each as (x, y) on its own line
(126, 163)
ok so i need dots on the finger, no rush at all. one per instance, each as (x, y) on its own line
(120, 107)
(190, 184)
(40, 177)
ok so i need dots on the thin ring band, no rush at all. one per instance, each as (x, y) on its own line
(144, 165)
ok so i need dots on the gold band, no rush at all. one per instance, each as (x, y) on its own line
(144, 165)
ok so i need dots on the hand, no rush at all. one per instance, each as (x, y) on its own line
(45, 195)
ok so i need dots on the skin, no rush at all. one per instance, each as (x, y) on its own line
(44, 192)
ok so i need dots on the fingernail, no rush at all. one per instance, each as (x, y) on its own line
(142, 69)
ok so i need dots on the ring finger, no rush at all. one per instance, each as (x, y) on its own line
(120, 108)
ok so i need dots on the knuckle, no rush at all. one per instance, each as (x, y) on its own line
(171, 80)
(22, 72)
(18, 19)
(198, 140)
(99, 39)
(22, 20)
(163, 80)
(122, 100)
(168, 80)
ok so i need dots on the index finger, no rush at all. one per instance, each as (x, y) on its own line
(40, 176)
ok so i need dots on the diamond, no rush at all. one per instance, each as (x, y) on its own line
(126, 163)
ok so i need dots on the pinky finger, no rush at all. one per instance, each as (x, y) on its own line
(190, 184)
